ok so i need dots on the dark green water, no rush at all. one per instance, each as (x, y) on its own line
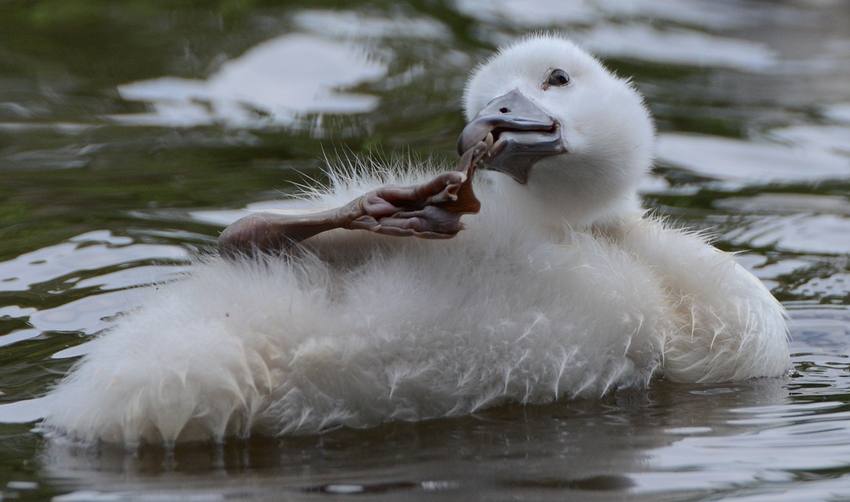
(130, 129)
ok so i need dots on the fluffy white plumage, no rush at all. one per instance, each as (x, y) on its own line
(558, 288)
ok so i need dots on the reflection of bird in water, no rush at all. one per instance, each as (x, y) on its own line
(558, 287)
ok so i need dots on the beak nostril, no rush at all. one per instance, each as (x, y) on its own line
(505, 110)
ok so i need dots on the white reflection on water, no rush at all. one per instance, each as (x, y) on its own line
(22, 412)
(677, 46)
(800, 233)
(786, 203)
(835, 138)
(530, 13)
(836, 285)
(749, 162)
(839, 112)
(90, 251)
(272, 84)
(638, 40)
(552, 13)
(352, 24)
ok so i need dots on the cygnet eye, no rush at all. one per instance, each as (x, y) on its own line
(558, 78)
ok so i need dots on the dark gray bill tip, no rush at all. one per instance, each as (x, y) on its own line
(523, 135)
(509, 112)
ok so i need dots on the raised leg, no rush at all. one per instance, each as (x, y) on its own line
(430, 210)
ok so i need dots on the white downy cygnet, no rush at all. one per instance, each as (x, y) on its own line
(560, 287)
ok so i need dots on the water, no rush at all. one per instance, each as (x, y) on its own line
(131, 132)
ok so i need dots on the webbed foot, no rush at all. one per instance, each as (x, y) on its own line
(430, 210)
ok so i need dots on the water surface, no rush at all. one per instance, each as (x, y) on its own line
(131, 132)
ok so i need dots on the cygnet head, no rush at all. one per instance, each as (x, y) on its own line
(573, 138)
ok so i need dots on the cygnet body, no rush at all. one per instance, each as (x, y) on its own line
(560, 287)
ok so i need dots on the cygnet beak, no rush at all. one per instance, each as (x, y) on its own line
(522, 133)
